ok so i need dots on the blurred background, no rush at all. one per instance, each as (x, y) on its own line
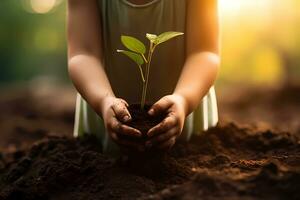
(32, 40)
(260, 42)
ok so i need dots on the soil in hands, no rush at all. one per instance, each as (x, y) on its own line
(149, 159)
(141, 120)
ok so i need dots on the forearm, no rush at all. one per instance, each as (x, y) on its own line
(85, 53)
(198, 75)
(89, 78)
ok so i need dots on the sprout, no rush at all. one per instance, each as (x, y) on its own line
(137, 50)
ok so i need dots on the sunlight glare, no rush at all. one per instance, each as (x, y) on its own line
(237, 7)
(42, 6)
(228, 6)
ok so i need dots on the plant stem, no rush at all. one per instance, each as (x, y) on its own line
(145, 60)
(143, 94)
(145, 84)
(143, 79)
(142, 74)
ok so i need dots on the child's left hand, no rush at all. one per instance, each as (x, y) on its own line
(164, 134)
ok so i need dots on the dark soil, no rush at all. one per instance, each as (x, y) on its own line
(141, 120)
(227, 161)
(230, 161)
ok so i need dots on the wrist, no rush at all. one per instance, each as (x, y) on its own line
(105, 102)
(101, 103)
(182, 100)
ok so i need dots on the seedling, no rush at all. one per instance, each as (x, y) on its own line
(137, 51)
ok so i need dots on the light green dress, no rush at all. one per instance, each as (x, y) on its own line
(120, 17)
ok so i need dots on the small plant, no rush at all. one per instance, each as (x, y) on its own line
(137, 50)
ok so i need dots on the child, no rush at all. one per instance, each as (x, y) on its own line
(182, 71)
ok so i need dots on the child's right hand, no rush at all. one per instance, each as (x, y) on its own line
(115, 113)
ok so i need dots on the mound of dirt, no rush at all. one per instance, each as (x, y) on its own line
(276, 108)
(228, 162)
(214, 186)
(31, 114)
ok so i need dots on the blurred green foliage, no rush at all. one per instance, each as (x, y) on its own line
(31, 44)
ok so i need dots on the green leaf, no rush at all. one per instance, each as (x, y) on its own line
(133, 44)
(137, 58)
(151, 37)
(166, 36)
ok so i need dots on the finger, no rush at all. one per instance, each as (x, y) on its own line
(125, 103)
(169, 122)
(163, 137)
(128, 131)
(160, 107)
(113, 124)
(121, 111)
(167, 144)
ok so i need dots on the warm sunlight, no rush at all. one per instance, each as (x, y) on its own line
(236, 7)
(42, 6)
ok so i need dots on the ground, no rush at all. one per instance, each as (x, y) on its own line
(254, 152)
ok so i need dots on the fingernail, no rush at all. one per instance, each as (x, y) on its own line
(151, 112)
(126, 118)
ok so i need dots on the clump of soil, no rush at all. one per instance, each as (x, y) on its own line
(228, 162)
(141, 120)
(150, 157)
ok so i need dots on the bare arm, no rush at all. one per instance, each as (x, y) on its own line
(202, 48)
(84, 52)
(87, 71)
(198, 74)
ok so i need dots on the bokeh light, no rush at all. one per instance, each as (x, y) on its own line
(42, 6)
(236, 7)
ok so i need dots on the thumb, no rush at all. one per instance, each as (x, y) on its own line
(121, 111)
(160, 106)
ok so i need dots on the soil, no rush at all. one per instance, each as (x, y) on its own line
(276, 108)
(238, 159)
(141, 120)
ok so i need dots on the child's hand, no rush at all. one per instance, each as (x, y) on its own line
(114, 113)
(164, 134)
